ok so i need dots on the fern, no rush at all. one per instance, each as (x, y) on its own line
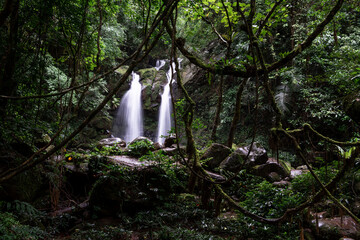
(21, 209)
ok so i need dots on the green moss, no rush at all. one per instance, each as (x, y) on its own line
(122, 69)
(147, 73)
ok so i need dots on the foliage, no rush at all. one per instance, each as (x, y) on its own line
(25, 211)
(175, 173)
(12, 229)
(139, 148)
(91, 231)
(306, 184)
(267, 200)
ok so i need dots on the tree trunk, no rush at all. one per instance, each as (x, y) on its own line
(218, 109)
(236, 117)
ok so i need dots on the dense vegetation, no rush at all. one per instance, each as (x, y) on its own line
(281, 74)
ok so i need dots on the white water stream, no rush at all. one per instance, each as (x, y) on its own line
(165, 112)
(159, 64)
(129, 118)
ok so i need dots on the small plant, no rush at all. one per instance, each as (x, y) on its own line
(168, 165)
(270, 201)
(140, 148)
(109, 150)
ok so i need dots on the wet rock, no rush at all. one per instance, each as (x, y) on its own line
(172, 151)
(169, 141)
(109, 142)
(217, 152)
(215, 176)
(282, 183)
(298, 171)
(273, 177)
(337, 227)
(257, 156)
(128, 161)
(139, 139)
(269, 169)
(302, 167)
(232, 163)
(157, 146)
(121, 70)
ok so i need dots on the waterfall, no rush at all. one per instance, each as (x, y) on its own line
(159, 64)
(165, 111)
(129, 118)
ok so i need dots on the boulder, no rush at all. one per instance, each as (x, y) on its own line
(337, 227)
(157, 146)
(298, 171)
(140, 146)
(109, 142)
(273, 177)
(139, 139)
(272, 170)
(172, 151)
(217, 153)
(121, 70)
(232, 163)
(147, 73)
(257, 156)
(170, 140)
(282, 184)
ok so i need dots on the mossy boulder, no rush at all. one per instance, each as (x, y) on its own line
(140, 146)
(121, 70)
(149, 73)
(271, 169)
(215, 154)
(257, 155)
(233, 162)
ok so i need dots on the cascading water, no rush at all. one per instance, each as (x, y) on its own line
(128, 124)
(159, 64)
(165, 112)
